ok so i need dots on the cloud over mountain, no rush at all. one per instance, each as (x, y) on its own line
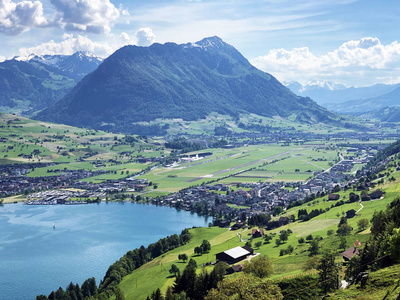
(145, 36)
(73, 43)
(354, 61)
(94, 16)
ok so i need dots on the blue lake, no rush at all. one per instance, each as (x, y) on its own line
(36, 259)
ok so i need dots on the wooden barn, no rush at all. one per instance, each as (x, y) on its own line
(234, 255)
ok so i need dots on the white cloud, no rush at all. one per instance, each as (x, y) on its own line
(145, 36)
(72, 44)
(95, 16)
(356, 62)
(19, 17)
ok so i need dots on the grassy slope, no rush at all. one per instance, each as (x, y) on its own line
(22, 136)
(382, 284)
(155, 274)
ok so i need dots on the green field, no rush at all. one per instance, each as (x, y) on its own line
(155, 274)
(29, 141)
(253, 163)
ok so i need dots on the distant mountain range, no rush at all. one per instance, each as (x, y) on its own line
(385, 114)
(187, 81)
(338, 98)
(30, 84)
(389, 99)
(333, 96)
(76, 66)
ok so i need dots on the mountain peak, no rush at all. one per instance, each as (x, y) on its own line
(211, 42)
(187, 81)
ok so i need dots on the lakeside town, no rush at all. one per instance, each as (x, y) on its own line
(220, 200)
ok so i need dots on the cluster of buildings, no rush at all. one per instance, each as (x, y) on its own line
(259, 197)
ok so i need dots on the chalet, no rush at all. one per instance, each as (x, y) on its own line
(235, 268)
(349, 253)
(376, 194)
(365, 197)
(353, 197)
(224, 224)
(139, 187)
(237, 225)
(255, 233)
(234, 255)
(333, 197)
(350, 213)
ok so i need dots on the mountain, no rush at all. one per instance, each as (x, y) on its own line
(75, 66)
(187, 81)
(385, 114)
(389, 99)
(30, 84)
(329, 94)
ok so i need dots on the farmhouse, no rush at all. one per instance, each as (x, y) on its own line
(234, 255)
(257, 233)
(376, 194)
(333, 197)
(349, 253)
(350, 213)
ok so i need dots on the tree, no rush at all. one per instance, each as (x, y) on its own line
(314, 247)
(245, 287)
(258, 244)
(260, 267)
(174, 269)
(119, 295)
(89, 287)
(283, 236)
(311, 263)
(183, 257)
(192, 263)
(301, 240)
(394, 245)
(330, 232)
(157, 295)
(343, 243)
(198, 250)
(206, 246)
(328, 272)
(344, 228)
(362, 224)
(267, 238)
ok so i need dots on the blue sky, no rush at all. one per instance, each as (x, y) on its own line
(344, 41)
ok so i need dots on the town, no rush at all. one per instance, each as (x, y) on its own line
(222, 201)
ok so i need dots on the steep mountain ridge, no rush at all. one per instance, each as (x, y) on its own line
(76, 66)
(29, 84)
(187, 81)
